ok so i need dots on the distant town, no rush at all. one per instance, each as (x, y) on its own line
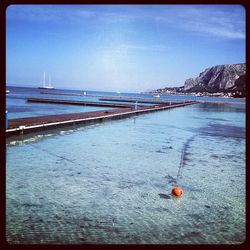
(181, 91)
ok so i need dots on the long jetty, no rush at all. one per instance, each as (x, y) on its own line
(138, 100)
(82, 103)
(27, 125)
(162, 101)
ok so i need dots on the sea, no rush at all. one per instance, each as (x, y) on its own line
(110, 183)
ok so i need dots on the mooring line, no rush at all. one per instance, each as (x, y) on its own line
(183, 154)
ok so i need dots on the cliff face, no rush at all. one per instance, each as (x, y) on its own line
(218, 78)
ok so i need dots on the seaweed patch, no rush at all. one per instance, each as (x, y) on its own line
(164, 196)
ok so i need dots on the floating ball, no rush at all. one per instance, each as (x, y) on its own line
(177, 191)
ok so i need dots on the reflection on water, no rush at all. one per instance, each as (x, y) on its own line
(177, 200)
(218, 107)
(111, 182)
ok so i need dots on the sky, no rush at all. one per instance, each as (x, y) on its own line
(126, 48)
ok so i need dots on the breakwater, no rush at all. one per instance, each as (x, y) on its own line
(83, 103)
(32, 124)
(139, 100)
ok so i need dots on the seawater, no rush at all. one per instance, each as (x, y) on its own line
(18, 107)
(111, 182)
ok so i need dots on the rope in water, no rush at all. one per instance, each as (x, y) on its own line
(183, 157)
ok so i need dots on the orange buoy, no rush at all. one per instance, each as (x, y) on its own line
(177, 191)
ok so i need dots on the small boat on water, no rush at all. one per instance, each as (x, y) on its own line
(157, 96)
(49, 86)
(7, 91)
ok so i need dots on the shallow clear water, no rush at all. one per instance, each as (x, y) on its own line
(111, 182)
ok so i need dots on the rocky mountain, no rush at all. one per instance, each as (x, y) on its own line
(228, 77)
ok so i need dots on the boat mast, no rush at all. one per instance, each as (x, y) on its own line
(43, 79)
(49, 80)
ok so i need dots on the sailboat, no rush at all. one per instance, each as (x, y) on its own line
(46, 86)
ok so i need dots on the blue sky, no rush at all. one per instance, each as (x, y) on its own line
(120, 47)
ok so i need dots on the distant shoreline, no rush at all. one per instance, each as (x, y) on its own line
(81, 93)
(199, 94)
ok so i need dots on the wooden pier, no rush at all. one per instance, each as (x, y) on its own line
(82, 103)
(162, 101)
(138, 100)
(22, 126)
